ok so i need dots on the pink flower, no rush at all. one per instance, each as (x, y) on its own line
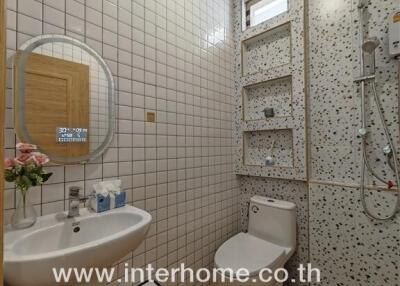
(9, 163)
(40, 159)
(26, 148)
(23, 159)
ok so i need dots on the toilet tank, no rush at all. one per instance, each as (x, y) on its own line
(273, 220)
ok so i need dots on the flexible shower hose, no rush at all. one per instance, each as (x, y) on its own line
(365, 162)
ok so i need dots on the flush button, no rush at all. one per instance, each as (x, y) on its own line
(255, 209)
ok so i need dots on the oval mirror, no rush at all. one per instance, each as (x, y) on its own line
(64, 99)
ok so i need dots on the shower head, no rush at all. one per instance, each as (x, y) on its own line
(370, 45)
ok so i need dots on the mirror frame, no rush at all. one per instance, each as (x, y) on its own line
(19, 96)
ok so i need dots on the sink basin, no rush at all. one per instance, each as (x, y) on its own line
(55, 241)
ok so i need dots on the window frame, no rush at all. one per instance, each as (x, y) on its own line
(260, 5)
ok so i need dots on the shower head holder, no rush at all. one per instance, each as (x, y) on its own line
(387, 150)
(363, 132)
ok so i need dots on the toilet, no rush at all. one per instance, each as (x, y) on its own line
(269, 242)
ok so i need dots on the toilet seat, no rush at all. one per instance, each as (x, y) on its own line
(252, 253)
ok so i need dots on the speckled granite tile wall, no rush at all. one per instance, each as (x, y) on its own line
(281, 55)
(269, 51)
(347, 247)
(334, 98)
(261, 144)
(276, 94)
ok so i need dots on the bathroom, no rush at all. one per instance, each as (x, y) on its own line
(216, 121)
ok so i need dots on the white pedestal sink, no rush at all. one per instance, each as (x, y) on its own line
(55, 241)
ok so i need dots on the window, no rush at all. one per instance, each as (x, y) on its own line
(264, 10)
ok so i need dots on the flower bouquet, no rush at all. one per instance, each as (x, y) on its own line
(26, 171)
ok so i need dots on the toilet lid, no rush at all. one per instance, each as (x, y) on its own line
(249, 252)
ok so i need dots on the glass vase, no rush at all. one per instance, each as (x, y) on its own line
(24, 215)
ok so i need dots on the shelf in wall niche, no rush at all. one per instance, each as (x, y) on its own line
(276, 94)
(267, 50)
(257, 146)
(276, 123)
(267, 75)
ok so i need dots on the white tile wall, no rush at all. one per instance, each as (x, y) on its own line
(173, 57)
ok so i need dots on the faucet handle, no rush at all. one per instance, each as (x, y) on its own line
(74, 191)
(83, 199)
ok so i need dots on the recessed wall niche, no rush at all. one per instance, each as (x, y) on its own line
(258, 145)
(270, 73)
(276, 94)
(267, 50)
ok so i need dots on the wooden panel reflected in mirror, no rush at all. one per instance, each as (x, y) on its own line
(63, 99)
(56, 95)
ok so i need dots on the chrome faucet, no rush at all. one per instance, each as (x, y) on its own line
(74, 200)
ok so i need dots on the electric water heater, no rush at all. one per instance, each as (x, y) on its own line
(394, 34)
